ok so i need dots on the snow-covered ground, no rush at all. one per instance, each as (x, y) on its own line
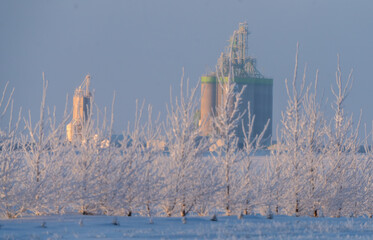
(250, 227)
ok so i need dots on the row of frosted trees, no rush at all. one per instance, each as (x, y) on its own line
(165, 168)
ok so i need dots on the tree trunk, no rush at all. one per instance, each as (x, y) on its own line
(315, 213)
(227, 196)
(297, 206)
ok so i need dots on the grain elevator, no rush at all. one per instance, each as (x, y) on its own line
(257, 92)
(81, 110)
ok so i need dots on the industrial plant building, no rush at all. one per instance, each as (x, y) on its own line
(81, 110)
(257, 92)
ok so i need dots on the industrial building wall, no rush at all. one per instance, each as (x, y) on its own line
(78, 108)
(81, 108)
(263, 108)
(258, 92)
(86, 108)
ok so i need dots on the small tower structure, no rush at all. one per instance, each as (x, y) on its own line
(81, 110)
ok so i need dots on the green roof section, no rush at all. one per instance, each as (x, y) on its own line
(264, 81)
(208, 79)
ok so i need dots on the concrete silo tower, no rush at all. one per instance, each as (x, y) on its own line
(81, 109)
(209, 97)
(258, 89)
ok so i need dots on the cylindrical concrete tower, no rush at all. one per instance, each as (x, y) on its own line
(263, 107)
(208, 102)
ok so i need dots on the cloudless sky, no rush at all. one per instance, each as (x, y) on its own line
(138, 48)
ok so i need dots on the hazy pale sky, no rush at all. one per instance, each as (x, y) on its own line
(138, 48)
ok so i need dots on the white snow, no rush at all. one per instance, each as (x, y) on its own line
(249, 227)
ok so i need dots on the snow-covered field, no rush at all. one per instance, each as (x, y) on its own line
(250, 227)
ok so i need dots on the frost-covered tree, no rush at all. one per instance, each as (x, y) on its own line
(320, 160)
(226, 123)
(150, 181)
(312, 148)
(11, 165)
(303, 137)
(5, 102)
(11, 190)
(108, 157)
(126, 191)
(185, 149)
(293, 125)
(36, 148)
(341, 149)
(250, 146)
(278, 179)
(88, 167)
(58, 175)
(45, 174)
(366, 173)
(207, 187)
(266, 186)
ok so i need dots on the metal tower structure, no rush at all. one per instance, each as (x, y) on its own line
(236, 55)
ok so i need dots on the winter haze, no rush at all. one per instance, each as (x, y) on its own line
(185, 176)
(138, 48)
